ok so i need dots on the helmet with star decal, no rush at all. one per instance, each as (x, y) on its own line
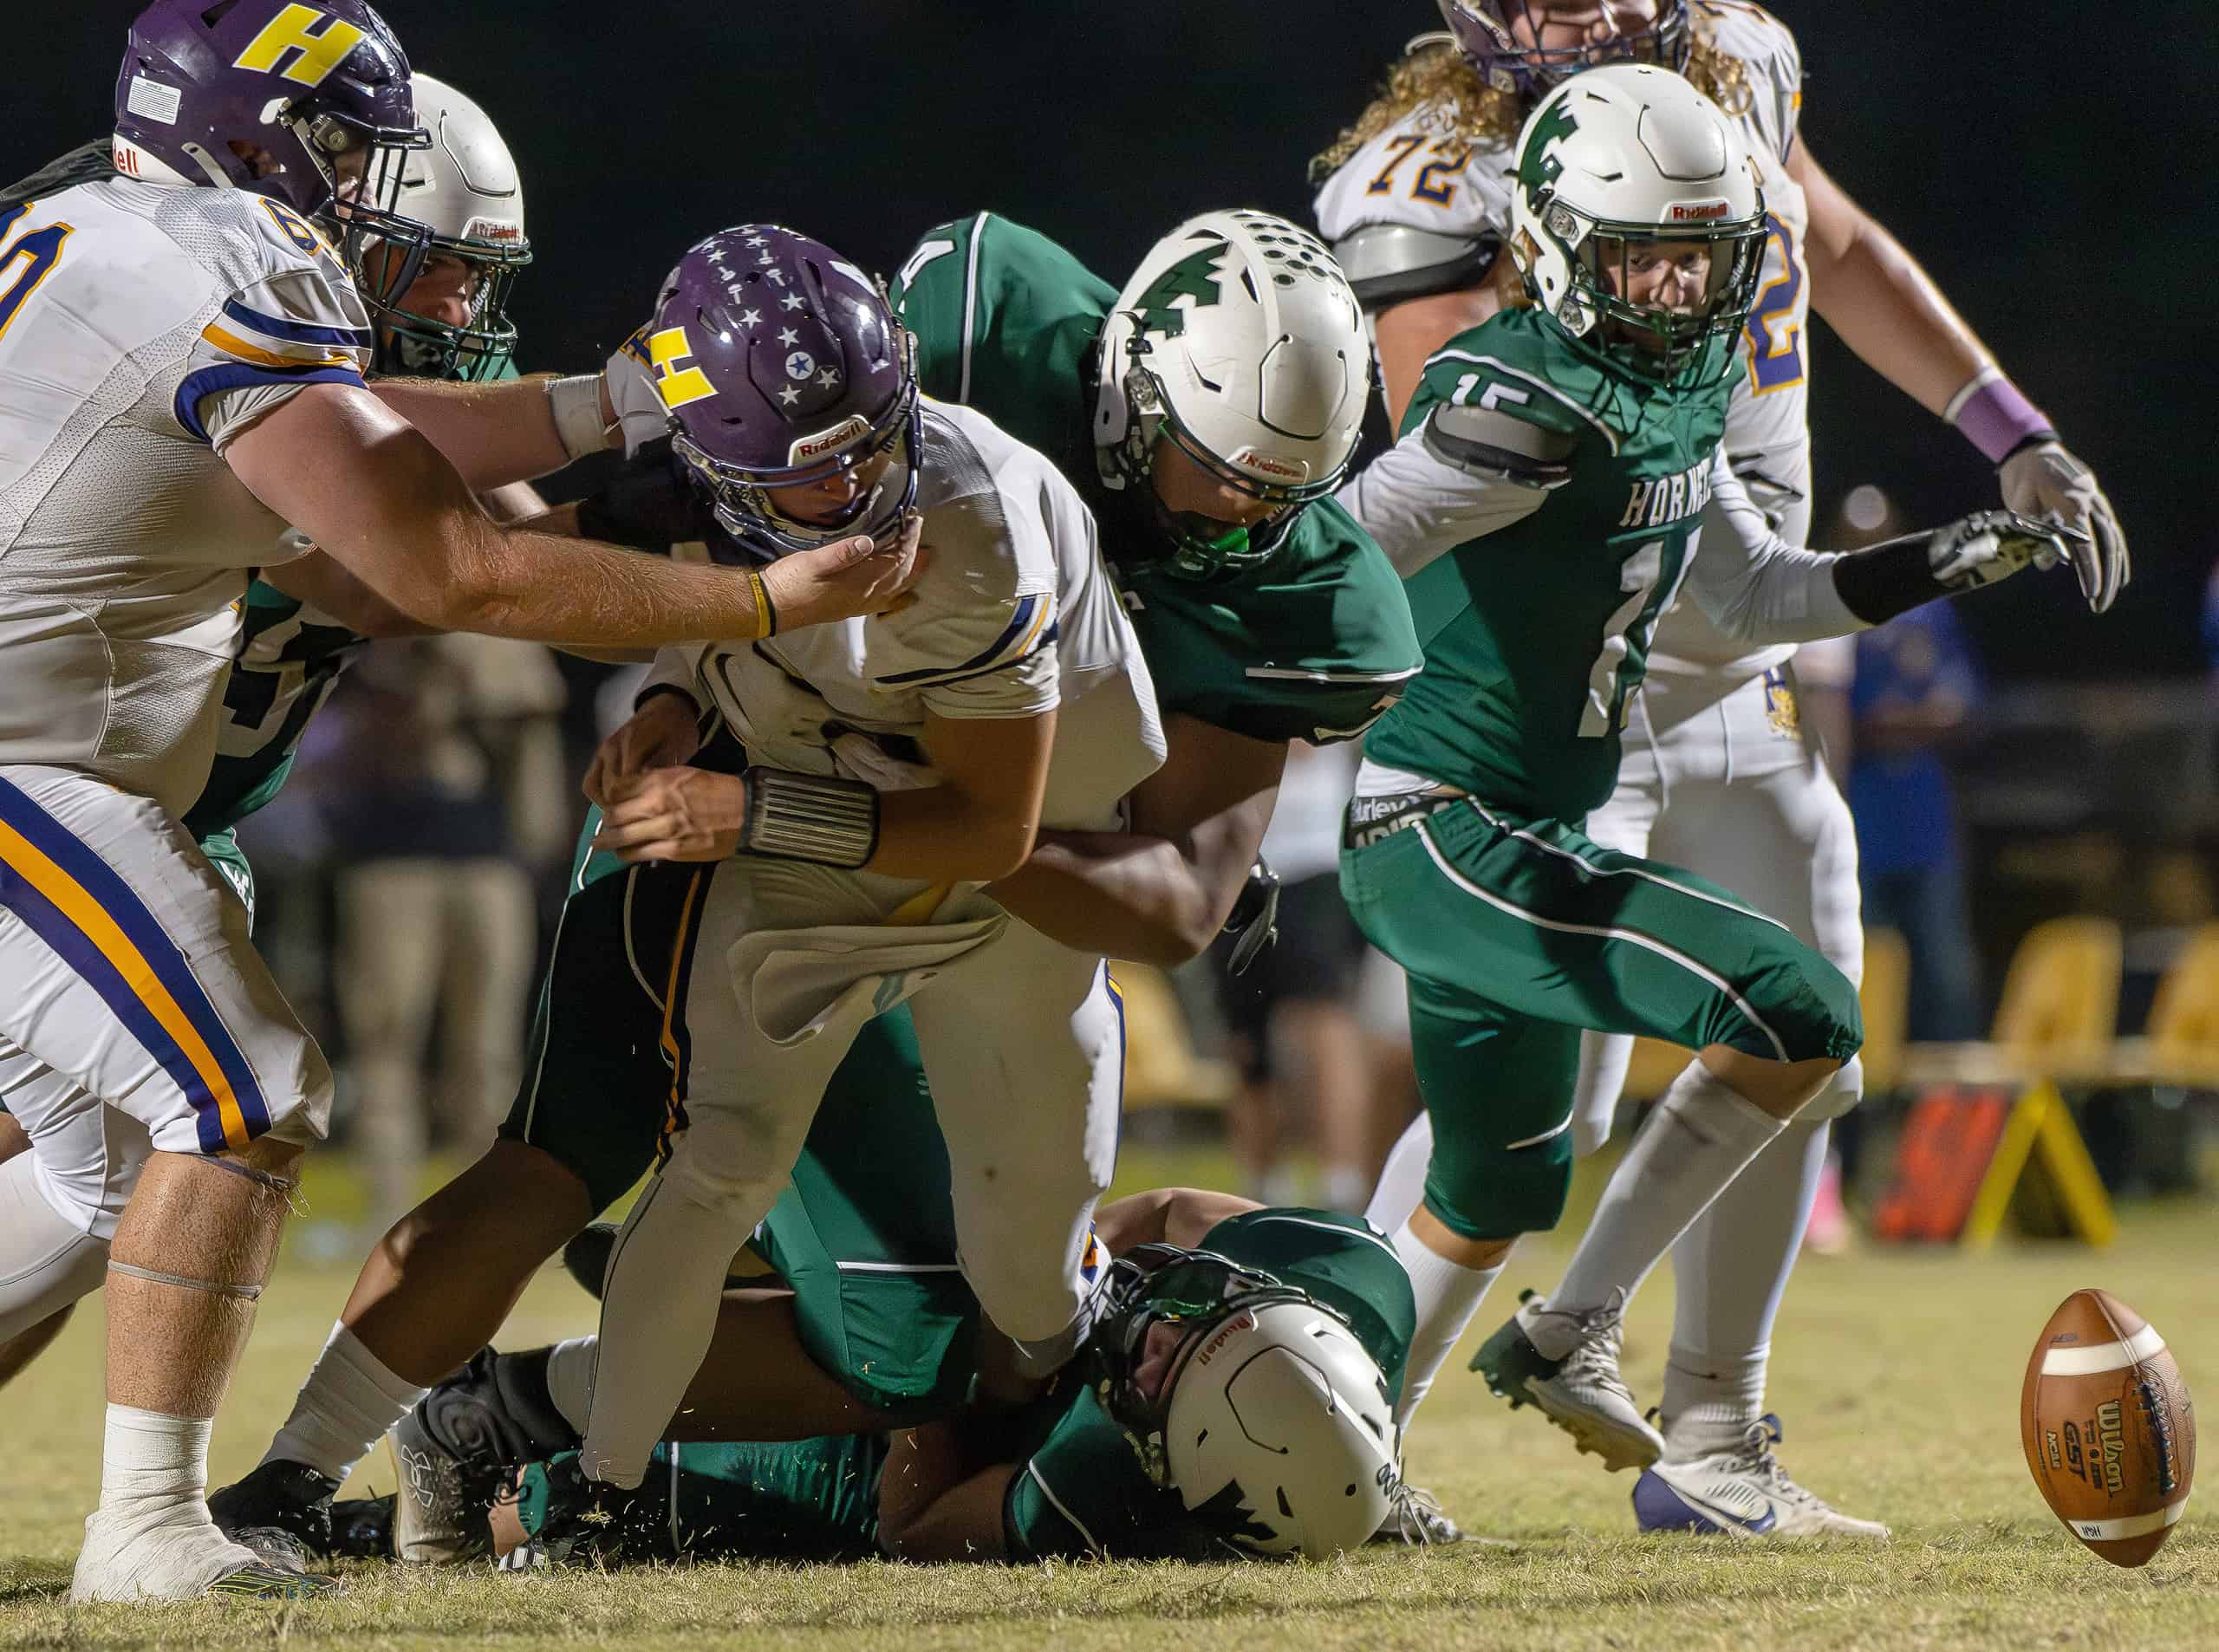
(791, 389)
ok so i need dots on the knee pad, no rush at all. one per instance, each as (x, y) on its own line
(1842, 1092)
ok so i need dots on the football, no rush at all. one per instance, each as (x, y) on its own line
(2108, 1427)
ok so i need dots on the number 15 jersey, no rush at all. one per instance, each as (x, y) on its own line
(1414, 175)
(143, 326)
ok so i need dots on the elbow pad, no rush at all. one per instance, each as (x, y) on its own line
(1254, 920)
(1387, 264)
(1487, 442)
(1878, 583)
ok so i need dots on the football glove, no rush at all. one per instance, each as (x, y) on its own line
(1992, 545)
(2043, 479)
(1254, 920)
(631, 391)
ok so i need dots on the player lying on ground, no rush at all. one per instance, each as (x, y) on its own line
(1543, 501)
(1302, 631)
(1237, 1395)
(1718, 775)
(180, 373)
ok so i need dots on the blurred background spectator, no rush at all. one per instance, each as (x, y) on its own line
(443, 791)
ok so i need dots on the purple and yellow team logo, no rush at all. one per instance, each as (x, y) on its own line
(1781, 709)
(1092, 1260)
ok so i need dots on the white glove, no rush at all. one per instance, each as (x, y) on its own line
(1992, 545)
(631, 391)
(2046, 480)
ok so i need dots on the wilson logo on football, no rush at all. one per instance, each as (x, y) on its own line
(1697, 211)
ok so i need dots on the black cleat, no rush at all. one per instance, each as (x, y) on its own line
(282, 1511)
(362, 1528)
(453, 1449)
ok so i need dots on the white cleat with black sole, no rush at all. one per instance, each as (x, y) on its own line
(1582, 1392)
(1741, 1492)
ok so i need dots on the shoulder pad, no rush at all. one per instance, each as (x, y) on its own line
(1389, 263)
(1493, 440)
(81, 165)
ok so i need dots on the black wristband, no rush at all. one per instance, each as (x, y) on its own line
(2032, 438)
(640, 699)
(1882, 581)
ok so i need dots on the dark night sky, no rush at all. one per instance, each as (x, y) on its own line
(2050, 161)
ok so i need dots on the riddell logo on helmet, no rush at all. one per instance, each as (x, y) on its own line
(848, 431)
(1697, 211)
(1244, 1320)
(1265, 464)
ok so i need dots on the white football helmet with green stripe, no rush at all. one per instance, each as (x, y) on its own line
(1631, 155)
(1239, 342)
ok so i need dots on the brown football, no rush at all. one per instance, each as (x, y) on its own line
(2108, 1427)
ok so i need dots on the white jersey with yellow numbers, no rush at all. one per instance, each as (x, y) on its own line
(143, 326)
(1449, 198)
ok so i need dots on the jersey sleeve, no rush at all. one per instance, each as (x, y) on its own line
(1081, 1493)
(1420, 506)
(291, 318)
(1417, 211)
(1343, 1261)
(1772, 64)
(1753, 585)
(928, 293)
(964, 649)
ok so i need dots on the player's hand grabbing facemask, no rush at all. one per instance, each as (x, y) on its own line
(1992, 545)
(2046, 480)
(632, 392)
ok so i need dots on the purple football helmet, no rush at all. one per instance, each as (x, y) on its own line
(1620, 31)
(306, 85)
(782, 367)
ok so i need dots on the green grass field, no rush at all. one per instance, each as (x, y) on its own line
(1897, 1374)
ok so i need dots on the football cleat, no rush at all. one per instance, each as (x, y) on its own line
(282, 1511)
(1742, 1492)
(1415, 1520)
(452, 1448)
(362, 1528)
(1582, 1393)
(259, 1581)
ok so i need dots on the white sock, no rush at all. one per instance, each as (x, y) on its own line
(1696, 1141)
(570, 1379)
(1731, 1269)
(348, 1402)
(1448, 1296)
(1401, 1181)
(154, 1468)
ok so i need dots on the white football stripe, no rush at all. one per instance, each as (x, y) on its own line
(2134, 1526)
(2103, 1356)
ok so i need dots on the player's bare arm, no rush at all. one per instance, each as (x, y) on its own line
(1181, 1216)
(942, 1493)
(506, 430)
(1407, 333)
(979, 824)
(1888, 309)
(378, 496)
(1160, 892)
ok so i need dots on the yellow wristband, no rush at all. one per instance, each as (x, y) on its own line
(766, 615)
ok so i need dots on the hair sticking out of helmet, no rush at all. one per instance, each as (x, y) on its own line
(1255, 1403)
(309, 105)
(1638, 224)
(454, 322)
(1239, 344)
(792, 390)
(1526, 47)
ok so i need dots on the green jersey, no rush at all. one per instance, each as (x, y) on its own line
(1313, 644)
(1537, 635)
(1079, 1488)
(288, 659)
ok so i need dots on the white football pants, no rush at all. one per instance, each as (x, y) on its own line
(1023, 1041)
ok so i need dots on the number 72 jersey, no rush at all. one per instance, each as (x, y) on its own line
(1415, 176)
